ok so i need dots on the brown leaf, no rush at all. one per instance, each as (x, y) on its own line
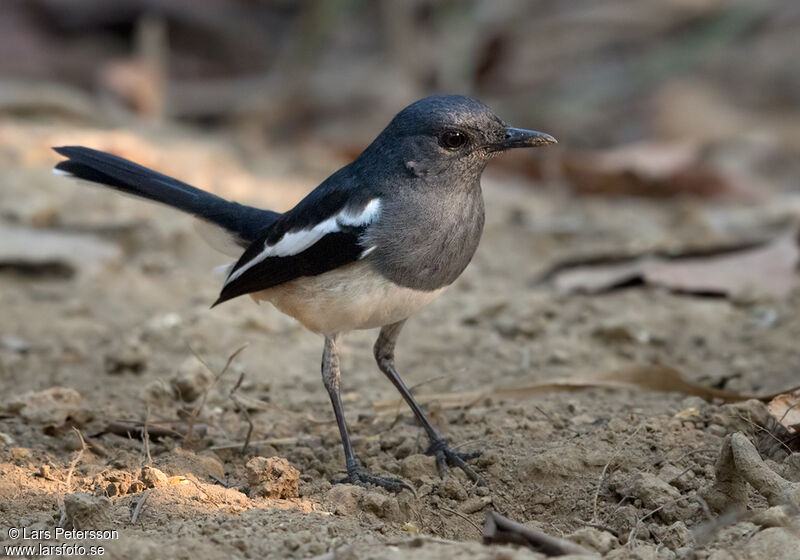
(649, 169)
(786, 410)
(765, 270)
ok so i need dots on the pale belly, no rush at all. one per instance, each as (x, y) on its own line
(349, 298)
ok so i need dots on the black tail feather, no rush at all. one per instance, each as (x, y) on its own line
(244, 222)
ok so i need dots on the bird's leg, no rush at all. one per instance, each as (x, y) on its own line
(445, 455)
(331, 377)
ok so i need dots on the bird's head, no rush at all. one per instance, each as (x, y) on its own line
(449, 134)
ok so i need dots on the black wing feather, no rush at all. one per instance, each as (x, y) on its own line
(331, 251)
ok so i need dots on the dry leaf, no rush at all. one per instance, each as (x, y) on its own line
(52, 253)
(651, 169)
(765, 270)
(654, 378)
(786, 410)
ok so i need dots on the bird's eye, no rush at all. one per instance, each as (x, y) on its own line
(452, 139)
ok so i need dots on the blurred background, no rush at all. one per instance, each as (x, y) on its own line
(717, 81)
(661, 230)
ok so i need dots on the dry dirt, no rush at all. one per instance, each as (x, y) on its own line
(620, 472)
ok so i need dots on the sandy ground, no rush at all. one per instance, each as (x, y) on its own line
(619, 471)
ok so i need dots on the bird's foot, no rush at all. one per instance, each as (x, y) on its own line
(358, 476)
(447, 456)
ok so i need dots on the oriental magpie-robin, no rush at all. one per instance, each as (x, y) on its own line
(369, 247)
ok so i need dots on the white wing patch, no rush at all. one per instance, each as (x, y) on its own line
(296, 242)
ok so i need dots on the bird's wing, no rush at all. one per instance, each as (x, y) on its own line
(320, 234)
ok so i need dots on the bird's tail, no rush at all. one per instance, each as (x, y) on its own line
(241, 223)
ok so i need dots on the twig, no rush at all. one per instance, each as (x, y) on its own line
(243, 409)
(651, 513)
(68, 481)
(136, 428)
(605, 470)
(139, 505)
(768, 432)
(196, 412)
(146, 437)
(788, 410)
(464, 517)
(271, 441)
(502, 530)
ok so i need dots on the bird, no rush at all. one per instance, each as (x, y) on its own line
(368, 248)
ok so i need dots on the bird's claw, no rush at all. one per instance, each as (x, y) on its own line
(360, 477)
(446, 456)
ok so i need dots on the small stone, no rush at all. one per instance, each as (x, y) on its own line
(775, 542)
(674, 536)
(614, 332)
(558, 356)
(129, 355)
(85, 511)
(344, 499)
(51, 407)
(653, 492)
(583, 420)
(381, 505)
(777, 516)
(451, 489)
(641, 551)
(192, 380)
(486, 459)
(274, 477)
(476, 504)
(405, 448)
(717, 430)
(601, 541)
(20, 453)
(417, 466)
(14, 344)
(158, 391)
(152, 477)
(118, 483)
(162, 328)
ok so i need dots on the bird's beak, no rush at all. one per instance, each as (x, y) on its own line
(521, 138)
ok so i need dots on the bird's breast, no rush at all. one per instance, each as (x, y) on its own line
(424, 241)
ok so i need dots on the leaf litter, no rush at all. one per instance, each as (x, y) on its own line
(762, 270)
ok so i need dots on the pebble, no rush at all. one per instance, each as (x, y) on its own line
(128, 356)
(86, 511)
(50, 407)
(777, 516)
(272, 477)
(417, 466)
(151, 477)
(674, 536)
(601, 541)
(476, 504)
(192, 379)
